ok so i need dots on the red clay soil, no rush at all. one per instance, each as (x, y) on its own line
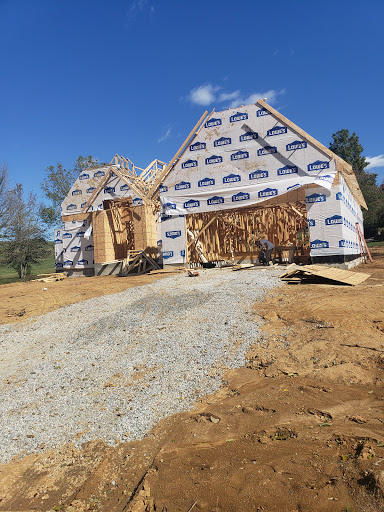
(301, 428)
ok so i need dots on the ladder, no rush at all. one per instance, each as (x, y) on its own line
(363, 245)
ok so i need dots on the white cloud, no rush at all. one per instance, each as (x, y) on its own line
(203, 95)
(139, 6)
(271, 96)
(375, 161)
(165, 136)
(206, 94)
(224, 96)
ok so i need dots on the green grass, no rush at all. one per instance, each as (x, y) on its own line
(45, 266)
(375, 244)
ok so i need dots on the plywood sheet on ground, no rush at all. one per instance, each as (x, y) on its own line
(325, 272)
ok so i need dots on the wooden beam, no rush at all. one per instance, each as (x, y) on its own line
(203, 229)
(96, 191)
(179, 153)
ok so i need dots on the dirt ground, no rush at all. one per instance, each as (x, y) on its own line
(301, 428)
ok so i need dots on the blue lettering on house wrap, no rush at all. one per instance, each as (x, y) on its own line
(239, 116)
(311, 223)
(67, 235)
(214, 159)
(343, 243)
(296, 144)
(77, 192)
(320, 244)
(167, 254)
(287, 169)
(90, 190)
(197, 146)
(231, 178)
(182, 185)
(137, 200)
(215, 200)
(326, 177)
(173, 234)
(262, 112)
(84, 176)
(206, 182)
(292, 187)
(276, 130)
(71, 207)
(182, 253)
(241, 196)
(188, 164)
(75, 248)
(248, 136)
(318, 165)
(257, 175)
(335, 219)
(109, 190)
(339, 196)
(80, 234)
(192, 203)
(83, 204)
(170, 206)
(68, 263)
(316, 198)
(240, 155)
(124, 187)
(89, 248)
(59, 265)
(223, 141)
(163, 189)
(99, 174)
(58, 241)
(159, 243)
(212, 122)
(268, 192)
(266, 150)
(99, 206)
(82, 263)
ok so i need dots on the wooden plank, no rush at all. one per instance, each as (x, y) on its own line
(203, 229)
(179, 153)
(96, 191)
(346, 169)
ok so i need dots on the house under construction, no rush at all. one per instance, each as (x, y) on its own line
(241, 175)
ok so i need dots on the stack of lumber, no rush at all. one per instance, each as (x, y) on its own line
(323, 274)
(49, 278)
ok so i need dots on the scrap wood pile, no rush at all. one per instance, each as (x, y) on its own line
(323, 274)
(49, 278)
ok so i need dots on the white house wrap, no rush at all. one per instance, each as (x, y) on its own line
(248, 155)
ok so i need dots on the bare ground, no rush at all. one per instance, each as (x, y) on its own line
(301, 428)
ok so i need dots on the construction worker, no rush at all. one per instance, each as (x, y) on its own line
(266, 248)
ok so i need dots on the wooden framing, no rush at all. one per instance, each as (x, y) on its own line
(230, 234)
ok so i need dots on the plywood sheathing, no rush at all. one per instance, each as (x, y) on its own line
(228, 233)
(145, 229)
(112, 232)
(341, 164)
(329, 273)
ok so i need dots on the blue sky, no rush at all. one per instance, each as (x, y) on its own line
(133, 77)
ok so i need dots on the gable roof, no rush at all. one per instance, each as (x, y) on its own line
(342, 165)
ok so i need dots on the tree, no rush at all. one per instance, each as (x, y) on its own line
(3, 196)
(57, 183)
(25, 243)
(348, 147)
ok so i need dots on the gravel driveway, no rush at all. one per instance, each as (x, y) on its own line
(111, 367)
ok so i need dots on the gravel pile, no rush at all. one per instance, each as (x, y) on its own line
(110, 367)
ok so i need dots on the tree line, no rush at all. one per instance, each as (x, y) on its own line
(24, 221)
